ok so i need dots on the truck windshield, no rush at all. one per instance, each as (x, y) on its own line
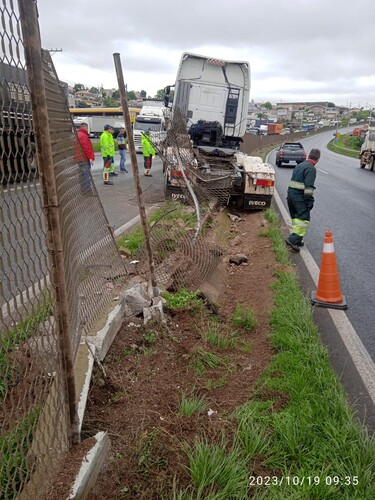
(153, 124)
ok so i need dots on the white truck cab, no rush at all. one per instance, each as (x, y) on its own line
(150, 118)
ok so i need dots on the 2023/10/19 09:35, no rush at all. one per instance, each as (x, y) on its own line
(299, 481)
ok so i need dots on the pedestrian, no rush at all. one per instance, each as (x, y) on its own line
(88, 154)
(148, 152)
(107, 148)
(121, 141)
(301, 198)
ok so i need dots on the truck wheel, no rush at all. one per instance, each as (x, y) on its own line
(372, 163)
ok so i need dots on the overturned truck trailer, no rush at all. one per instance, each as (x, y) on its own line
(211, 99)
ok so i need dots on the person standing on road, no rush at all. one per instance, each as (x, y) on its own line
(148, 152)
(301, 198)
(107, 148)
(88, 153)
(121, 138)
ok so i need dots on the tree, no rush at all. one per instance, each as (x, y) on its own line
(82, 104)
(131, 95)
(331, 105)
(143, 94)
(109, 102)
(116, 94)
(160, 94)
(94, 90)
(261, 116)
(267, 105)
(78, 86)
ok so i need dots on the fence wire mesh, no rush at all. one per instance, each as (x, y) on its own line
(34, 417)
(183, 253)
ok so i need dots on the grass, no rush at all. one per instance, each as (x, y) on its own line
(218, 336)
(15, 466)
(343, 149)
(192, 404)
(13, 338)
(243, 317)
(297, 423)
(201, 360)
(170, 211)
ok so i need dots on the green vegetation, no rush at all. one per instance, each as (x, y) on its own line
(273, 232)
(218, 336)
(161, 221)
(346, 145)
(298, 427)
(182, 299)
(192, 404)
(15, 466)
(201, 360)
(13, 338)
(243, 317)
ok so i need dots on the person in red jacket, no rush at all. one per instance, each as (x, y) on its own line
(89, 155)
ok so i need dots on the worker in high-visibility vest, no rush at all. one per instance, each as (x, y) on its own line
(148, 152)
(301, 199)
(107, 148)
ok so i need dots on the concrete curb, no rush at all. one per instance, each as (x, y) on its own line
(90, 468)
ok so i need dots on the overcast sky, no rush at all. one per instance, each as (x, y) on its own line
(298, 50)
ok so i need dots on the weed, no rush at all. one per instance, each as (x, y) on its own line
(216, 471)
(202, 359)
(150, 453)
(243, 317)
(132, 241)
(216, 337)
(191, 405)
(182, 299)
(150, 337)
(215, 384)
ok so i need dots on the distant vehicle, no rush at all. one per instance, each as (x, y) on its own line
(151, 118)
(367, 154)
(108, 112)
(290, 152)
(96, 124)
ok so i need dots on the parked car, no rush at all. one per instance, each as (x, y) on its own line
(290, 152)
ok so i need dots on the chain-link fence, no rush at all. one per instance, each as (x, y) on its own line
(35, 416)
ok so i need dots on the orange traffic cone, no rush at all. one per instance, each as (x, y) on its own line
(328, 293)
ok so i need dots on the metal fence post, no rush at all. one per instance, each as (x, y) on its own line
(133, 159)
(33, 56)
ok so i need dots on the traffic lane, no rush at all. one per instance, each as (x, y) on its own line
(343, 206)
(120, 201)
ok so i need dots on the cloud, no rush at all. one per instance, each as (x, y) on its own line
(327, 43)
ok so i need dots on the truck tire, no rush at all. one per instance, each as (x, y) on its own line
(372, 163)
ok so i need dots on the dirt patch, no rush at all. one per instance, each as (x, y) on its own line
(149, 370)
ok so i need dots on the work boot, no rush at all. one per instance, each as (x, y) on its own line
(294, 247)
(113, 174)
(108, 183)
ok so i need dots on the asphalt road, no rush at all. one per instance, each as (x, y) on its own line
(344, 204)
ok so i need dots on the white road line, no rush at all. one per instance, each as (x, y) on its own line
(323, 171)
(361, 358)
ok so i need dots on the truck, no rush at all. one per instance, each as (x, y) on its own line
(367, 153)
(274, 128)
(150, 119)
(96, 124)
(212, 95)
(17, 140)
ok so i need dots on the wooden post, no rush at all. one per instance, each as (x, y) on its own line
(34, 65)
(133, 159)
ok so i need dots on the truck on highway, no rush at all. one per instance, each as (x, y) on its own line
(213, 96)
(96, 124)
(150, 119)
(367, 153)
